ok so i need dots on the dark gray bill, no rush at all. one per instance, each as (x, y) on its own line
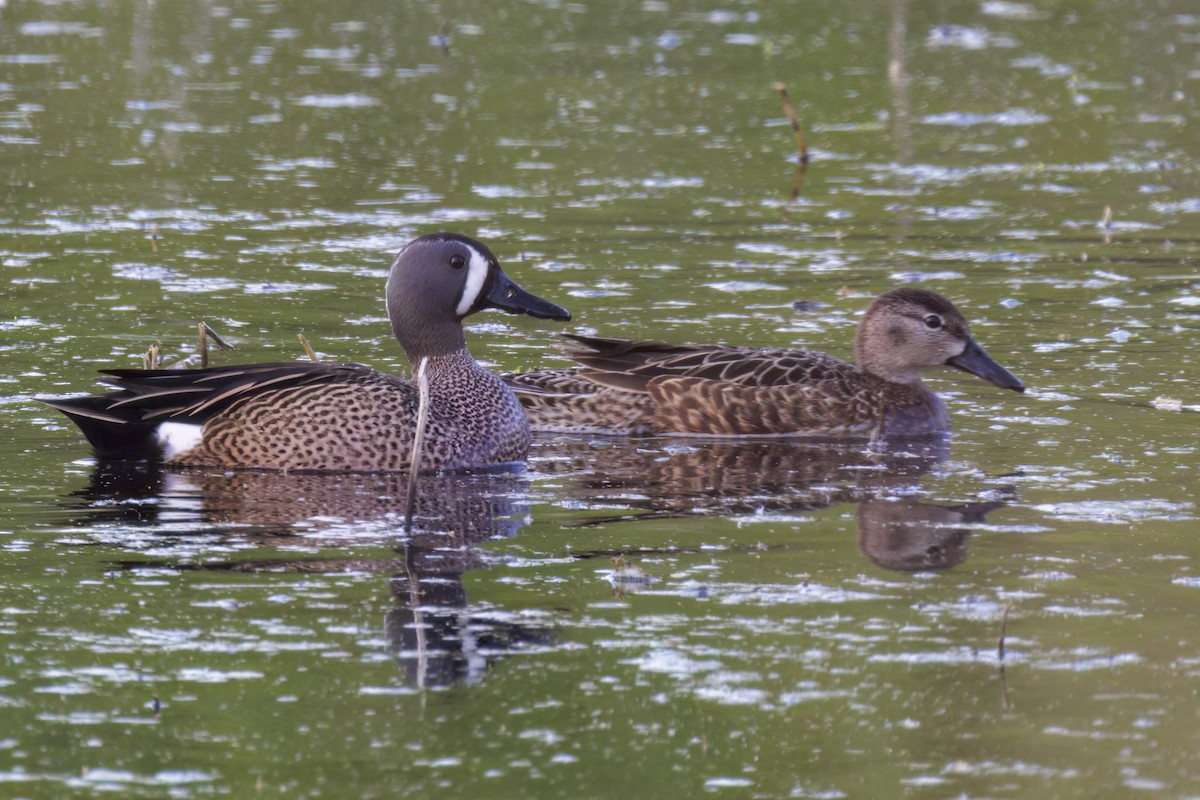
(976, 361)
(504, 294)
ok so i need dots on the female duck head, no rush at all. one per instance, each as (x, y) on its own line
(440, 278)
(907, 330)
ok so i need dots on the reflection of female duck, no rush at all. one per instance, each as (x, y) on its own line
(906, 536)
(720, 476)
(671, 478)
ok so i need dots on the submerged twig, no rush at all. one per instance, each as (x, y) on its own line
(1005, 703)
(1106, 224)
(626, 577)
(422, 380)
(1003, 627)
(307, 348)
(443, 39)
(797, 131)
(798, 135)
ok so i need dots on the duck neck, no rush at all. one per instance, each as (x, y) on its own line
(866, 354)
(433, 340)
(910, 409)
(443, 368)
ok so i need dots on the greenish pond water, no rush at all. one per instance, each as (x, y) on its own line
(638, 618)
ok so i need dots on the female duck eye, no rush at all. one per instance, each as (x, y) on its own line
(458, 262)
(933, 322)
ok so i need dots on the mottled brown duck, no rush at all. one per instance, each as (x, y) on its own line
(337, 417)
(641, 387)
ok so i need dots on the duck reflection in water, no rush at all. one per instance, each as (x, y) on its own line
(674, 478)
(432, 631)
(904, 535)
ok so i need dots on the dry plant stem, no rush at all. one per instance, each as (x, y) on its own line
(797, 132)
(798, 135)
(216, 337)
(798, 180)
(1005, 702)
(414, 466)
(1003, 627)
(150, 358)
(307, 348)
(206, 333)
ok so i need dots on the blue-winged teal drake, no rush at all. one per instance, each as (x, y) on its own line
(635, 387)
(337, 417)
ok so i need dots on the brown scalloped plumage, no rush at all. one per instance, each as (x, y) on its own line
(637, 387)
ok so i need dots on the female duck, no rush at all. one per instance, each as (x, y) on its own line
(634, 387)
(337, 417)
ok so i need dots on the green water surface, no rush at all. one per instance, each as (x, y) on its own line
(651, 618)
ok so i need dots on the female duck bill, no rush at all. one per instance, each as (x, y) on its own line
(975, 360)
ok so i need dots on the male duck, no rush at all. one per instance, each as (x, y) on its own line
(337, 417)
(635, 387)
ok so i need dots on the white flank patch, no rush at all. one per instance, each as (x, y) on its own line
(176, 438)
(477, 272)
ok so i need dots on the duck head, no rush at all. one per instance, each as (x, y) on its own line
(907, 330)
(439, 279)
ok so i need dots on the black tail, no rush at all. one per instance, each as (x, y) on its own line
(111, 435)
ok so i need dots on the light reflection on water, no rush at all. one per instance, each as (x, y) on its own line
(170, 524)
(256, 166)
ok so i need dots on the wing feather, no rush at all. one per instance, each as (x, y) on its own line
(636, 363)
(122, 423)
(700, 405)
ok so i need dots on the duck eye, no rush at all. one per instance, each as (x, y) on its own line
(457, 261)
(933, 322)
